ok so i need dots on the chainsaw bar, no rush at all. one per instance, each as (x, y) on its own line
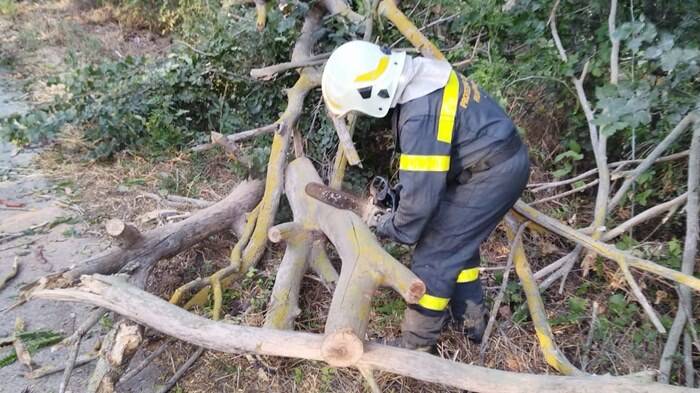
(336, 198)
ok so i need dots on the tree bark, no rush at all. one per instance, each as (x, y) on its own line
(140, 306)
(365, 265)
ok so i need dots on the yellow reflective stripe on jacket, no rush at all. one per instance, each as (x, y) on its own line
(433, 302)
(375, 73)
(448, 110)
(468, 275)
(424, 163)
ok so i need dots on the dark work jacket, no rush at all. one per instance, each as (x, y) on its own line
(480, 127)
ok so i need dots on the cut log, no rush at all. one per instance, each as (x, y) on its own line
(118, 346)
(125, 235)
(148, 309)
(165, 241)
(365, 265)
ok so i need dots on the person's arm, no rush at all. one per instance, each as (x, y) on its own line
(423, 167)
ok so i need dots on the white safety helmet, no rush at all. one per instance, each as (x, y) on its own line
(361, 76)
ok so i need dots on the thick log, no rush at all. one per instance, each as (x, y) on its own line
(148, 309)
(167, 240)
(365, 265)
(284, 300)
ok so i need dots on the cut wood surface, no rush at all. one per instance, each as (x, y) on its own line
(138, 305)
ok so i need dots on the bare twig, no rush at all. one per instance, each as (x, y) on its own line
(146, 361)
(501, 294)
(566, 193)
(589, 337)
(11, 274)
(555, 34)
(269, 72)
(692, 230)
(645, 215)
(537, 187)
(615, 41)
(604, 249)
(70, 364)
(48, 370)
(688, 360)
(181, 371)
(689, 119)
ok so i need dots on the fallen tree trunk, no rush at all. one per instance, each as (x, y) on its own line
(165, 241)
(133, 303)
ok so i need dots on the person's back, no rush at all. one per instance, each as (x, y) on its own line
(462, 166)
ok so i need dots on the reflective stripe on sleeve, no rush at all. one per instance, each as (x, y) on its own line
(424, 163)
(468, 275)
(448, 109)
(433, 302)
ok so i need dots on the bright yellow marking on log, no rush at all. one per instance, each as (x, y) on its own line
(424, 163)
(468, 275)
(371, 76)
(433, 302)
(448, 109)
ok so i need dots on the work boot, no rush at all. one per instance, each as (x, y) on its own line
(420, 330)
(467, 310)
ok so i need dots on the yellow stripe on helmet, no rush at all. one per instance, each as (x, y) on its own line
(375, 73)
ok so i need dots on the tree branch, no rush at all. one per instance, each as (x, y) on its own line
(111, 293)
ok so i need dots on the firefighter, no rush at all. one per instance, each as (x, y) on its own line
(462, 166)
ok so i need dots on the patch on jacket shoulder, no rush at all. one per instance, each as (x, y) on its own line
(471, 90)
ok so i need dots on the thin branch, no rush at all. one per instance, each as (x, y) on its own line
(501, 294)
(589, 337)
(429, 25)
(48, 370)
(692, 231)
(690, 118)
(146, 361)
(269, 72)
(645, 215)
(604, 249)
(536, 187)
(181, 371)
(615, 41)
(566, 193)
(555, 34)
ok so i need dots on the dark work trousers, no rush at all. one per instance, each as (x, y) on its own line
(465, 217)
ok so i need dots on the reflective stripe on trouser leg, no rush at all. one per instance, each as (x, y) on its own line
(468, 291)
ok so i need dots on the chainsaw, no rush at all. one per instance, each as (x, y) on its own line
(382, 198)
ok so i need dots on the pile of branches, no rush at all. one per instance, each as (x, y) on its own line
(114, 280)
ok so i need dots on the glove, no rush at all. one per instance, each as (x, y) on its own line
(377, 216)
